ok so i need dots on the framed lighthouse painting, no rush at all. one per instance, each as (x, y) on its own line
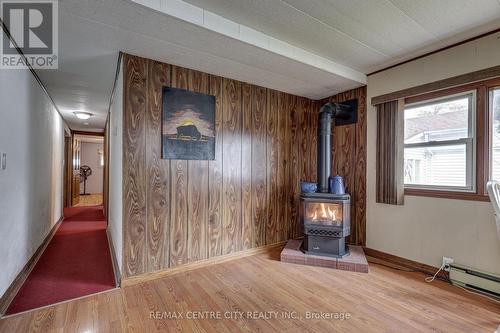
(188, 125)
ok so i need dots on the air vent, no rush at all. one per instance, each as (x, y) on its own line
(321, 232)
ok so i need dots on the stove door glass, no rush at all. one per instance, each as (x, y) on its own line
(323, 213)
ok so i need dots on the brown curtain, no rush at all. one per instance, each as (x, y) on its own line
(390, 153)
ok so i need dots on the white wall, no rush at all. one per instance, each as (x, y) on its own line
(90, 157)
(32, 135)
(115, 169)
(426, 229)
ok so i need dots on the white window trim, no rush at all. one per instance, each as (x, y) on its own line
(470, 143)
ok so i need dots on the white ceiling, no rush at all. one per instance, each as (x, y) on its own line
(312, 48)
(365, 35)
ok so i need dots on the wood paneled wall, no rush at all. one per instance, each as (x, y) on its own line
(178, 211)
(349, 161)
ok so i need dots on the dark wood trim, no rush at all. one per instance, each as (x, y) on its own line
(489, 83)
(14, 287)
(68, 171)
(75, 185)
(435, 51)
(399, 262)
(481, 75)
(87, 133)
(482, 141)
(116, 268)
(446, 194)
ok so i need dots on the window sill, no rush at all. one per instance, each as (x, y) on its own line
(446, 194)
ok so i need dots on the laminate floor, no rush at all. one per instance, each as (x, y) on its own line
(90, 200)
(262, 294)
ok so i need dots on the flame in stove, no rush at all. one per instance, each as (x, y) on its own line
(326, 213)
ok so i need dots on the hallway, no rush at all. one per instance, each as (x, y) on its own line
(90, 200)
(77, 262)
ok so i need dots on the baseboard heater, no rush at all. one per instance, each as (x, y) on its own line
(471, 278)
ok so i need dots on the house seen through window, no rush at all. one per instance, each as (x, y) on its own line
(439, 138)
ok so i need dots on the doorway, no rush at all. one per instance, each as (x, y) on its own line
(68, 170)
(88, 173)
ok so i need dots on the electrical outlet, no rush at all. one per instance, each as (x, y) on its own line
(446, 263)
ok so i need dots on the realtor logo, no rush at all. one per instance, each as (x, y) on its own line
(33, 27)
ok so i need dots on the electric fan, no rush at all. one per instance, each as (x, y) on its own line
(85, 172)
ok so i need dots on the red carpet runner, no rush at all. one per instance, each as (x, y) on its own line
(77, 262)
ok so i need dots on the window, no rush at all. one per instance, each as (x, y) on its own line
(439, 143)
(494, 103)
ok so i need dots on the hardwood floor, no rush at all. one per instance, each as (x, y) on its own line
(90, 200)
(385, 300)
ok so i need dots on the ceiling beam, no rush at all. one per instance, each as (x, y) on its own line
(213, 22)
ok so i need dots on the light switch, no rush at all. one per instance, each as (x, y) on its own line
(4, 161)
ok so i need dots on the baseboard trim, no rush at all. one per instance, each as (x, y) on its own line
(14, 287)
(116, 268)
(133, 280)
(399, 262)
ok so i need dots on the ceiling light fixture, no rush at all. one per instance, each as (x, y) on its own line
(83, 115)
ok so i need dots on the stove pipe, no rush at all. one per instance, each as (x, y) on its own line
(327, 115)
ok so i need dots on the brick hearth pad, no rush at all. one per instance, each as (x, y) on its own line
(354, 262)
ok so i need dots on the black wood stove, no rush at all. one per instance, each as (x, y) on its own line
(326, 221)
(324, 216)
